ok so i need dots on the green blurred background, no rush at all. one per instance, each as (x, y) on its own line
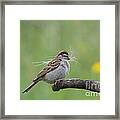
(41, 40)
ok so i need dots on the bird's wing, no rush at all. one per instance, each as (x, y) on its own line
(50, 67)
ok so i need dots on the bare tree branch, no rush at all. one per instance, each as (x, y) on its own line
(92, 85)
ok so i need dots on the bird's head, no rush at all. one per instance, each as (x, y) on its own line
(63, 55)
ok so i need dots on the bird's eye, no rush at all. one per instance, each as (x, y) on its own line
(65, 55)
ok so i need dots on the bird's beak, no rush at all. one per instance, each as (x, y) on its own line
(68, 58)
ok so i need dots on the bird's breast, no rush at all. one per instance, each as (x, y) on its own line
(56, 74)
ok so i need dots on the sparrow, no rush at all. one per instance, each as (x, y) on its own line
(56, 69)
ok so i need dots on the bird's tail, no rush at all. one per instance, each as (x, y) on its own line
(35, 81)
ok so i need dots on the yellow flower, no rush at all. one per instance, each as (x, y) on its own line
(96, 67)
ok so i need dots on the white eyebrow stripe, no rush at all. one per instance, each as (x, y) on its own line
(65, 55)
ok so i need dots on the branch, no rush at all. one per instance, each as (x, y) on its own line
(92, 85)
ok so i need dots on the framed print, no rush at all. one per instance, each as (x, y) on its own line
(59, 59)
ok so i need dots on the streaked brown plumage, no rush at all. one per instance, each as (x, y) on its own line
(56, 69)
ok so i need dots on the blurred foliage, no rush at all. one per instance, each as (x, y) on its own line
(41, 40)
